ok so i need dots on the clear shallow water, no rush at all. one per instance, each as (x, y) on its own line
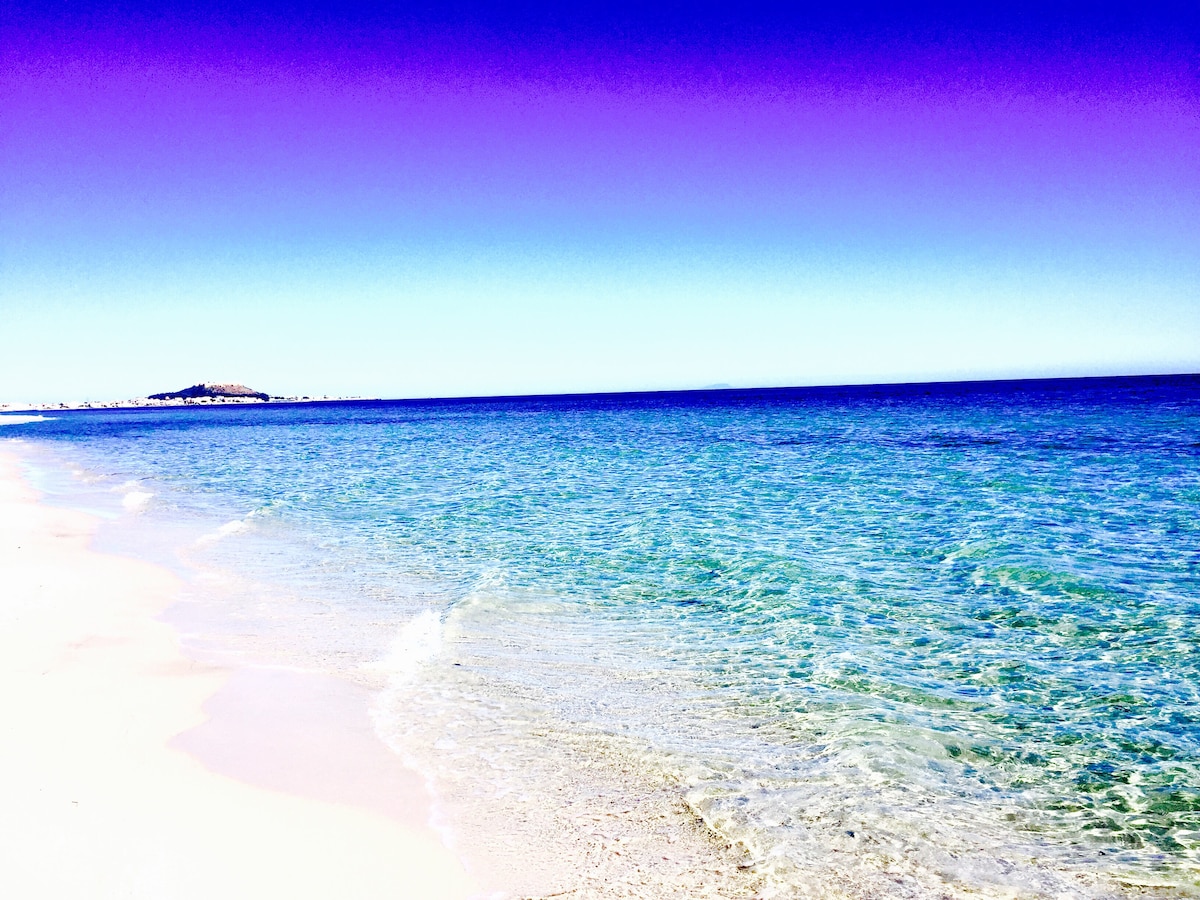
(917, 641)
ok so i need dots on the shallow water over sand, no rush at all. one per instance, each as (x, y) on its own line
(909, 641)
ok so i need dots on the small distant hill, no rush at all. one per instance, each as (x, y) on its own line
(211, 391)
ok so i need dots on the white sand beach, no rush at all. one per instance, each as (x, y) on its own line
(129, 770)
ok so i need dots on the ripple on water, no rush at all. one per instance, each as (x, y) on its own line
(830, 644)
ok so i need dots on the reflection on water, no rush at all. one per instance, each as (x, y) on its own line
(908, 641)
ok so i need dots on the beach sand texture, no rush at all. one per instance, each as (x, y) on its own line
(129, 770)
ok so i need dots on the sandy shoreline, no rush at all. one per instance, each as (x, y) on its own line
(130, 770)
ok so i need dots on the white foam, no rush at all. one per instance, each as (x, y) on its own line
(135, 501)
(21, 420)
(419, 641)
(234, 527)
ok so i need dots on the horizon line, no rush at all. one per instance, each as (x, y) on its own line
(279, 400)
(730, 389)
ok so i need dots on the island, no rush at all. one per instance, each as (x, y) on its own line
(209, 391)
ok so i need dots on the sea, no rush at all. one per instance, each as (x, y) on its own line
(917, 641)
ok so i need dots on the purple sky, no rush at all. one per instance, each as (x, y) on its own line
(460, 206)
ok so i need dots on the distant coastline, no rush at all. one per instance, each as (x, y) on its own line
(886, 387)
(146, 402)
(204, 393)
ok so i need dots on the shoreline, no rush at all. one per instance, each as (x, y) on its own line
(649, 843)
(132, 770)
(543, 791)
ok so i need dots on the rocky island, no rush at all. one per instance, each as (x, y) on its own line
(208, 391)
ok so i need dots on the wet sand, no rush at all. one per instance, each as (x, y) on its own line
(130, 770)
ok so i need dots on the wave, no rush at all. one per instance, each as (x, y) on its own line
(136, 501)
(229, 528)
(419, 641)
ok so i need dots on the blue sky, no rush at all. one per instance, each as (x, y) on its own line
(356, 201)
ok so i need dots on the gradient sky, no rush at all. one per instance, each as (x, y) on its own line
(417, 200)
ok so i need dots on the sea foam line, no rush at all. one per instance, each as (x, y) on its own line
(229, 528)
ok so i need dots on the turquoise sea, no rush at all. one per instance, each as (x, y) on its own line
(908, 641)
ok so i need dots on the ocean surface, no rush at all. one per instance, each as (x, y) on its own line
(911, 641)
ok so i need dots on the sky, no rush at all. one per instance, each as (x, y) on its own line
(415, 200)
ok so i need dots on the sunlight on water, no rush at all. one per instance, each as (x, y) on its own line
(907, 641)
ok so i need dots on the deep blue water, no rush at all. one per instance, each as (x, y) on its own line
(951, 628)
